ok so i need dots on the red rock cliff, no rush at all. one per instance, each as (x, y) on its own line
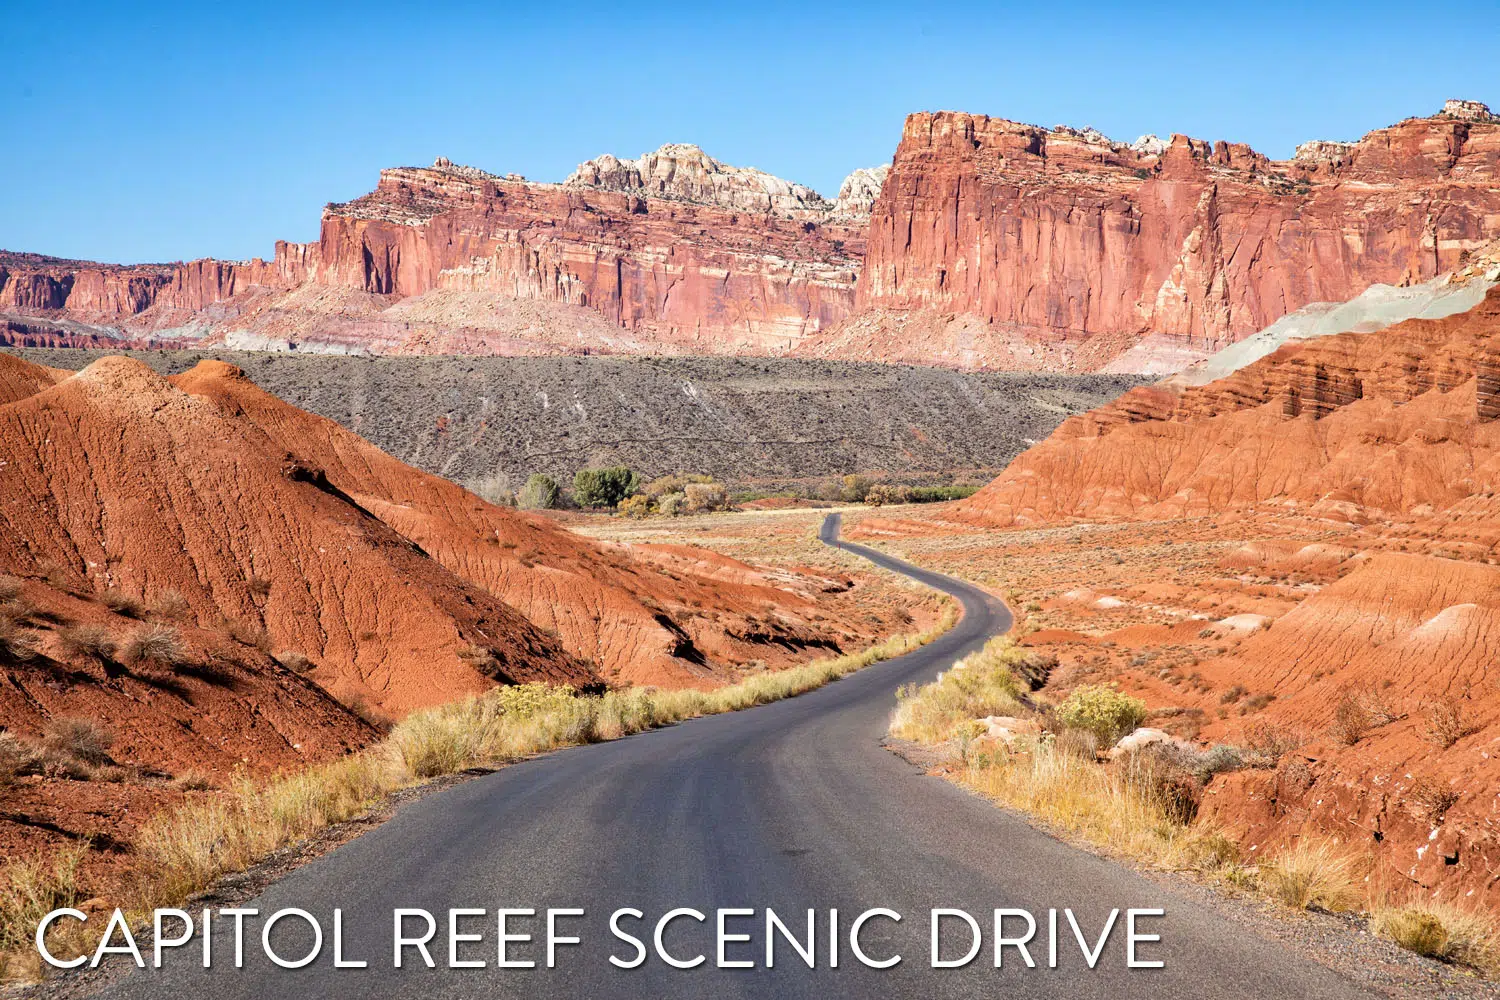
(1065, 234)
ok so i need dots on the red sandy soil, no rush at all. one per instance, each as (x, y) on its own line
(1315, 532)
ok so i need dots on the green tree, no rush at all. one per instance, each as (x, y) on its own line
(539, 493)
(604, 487)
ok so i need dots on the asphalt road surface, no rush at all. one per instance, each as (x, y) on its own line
(790, 806)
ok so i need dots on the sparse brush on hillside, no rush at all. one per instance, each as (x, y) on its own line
(161, 645)
(87, 641)
(183, 850)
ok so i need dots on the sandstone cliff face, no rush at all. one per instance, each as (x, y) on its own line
(1062, 235)
(990, 244)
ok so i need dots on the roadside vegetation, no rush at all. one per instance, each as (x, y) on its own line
(622, 490)
(1084, 769)
(182, 851)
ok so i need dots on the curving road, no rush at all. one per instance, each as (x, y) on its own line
(789, 806)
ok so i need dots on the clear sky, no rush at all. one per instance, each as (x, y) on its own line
(167, 131)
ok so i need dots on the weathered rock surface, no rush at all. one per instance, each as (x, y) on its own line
(991, 244)
(1062, 237)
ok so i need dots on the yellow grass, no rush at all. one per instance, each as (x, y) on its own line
(183, 850)
(981, 684)
(1442, 930)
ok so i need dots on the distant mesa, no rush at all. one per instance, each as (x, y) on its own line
(986, 243)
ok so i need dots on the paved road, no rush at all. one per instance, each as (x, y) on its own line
(788, 806)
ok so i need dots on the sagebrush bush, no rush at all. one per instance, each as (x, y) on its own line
(122, 603)
(541, 492)
(88, 641)
(82, 739)
(171, 604)
(1103, 711)
(155, 644)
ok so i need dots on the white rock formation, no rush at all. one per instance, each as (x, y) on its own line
(1473, 111)
(684, 172)
(860, 189)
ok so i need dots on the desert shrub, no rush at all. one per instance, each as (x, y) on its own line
(671, 504)
(80, 739)
(294, 661)
(171, 604)
(17, 642)
(1432, 798)
(1442, 930)
(604, 487)
(250, 634)
(937, 494)
(1266, 743)
(122, 603)
(854, 489)
(701, 497)
(192, 781)
(17, 756)
(1107, 713)
(1314, 873)
(161, 645)
(637, 506)
(58, 575)
(88, 641)
(883, 493)
(10, 587)
(541, 492)
(1350, 720)
(1447, 723)
(1203, 764)
(259, 586)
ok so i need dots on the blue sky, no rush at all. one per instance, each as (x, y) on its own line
(169, 131)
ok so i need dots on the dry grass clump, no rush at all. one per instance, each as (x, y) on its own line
(1442, 930)
(122, 603)
(17, 642)
(171, 604)
(161, 645)
(10, 587)
(1356, 713)
(30, 888)
(93, 642)
(250, 634)
(185, 849)
(81, 739)
(1119, 809)
(294, 661)
(1315, 872)
(977, 686)
(1447, 723)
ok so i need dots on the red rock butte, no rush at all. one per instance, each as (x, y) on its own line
(991, 243)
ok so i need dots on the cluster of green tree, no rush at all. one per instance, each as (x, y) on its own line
(618, 488)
